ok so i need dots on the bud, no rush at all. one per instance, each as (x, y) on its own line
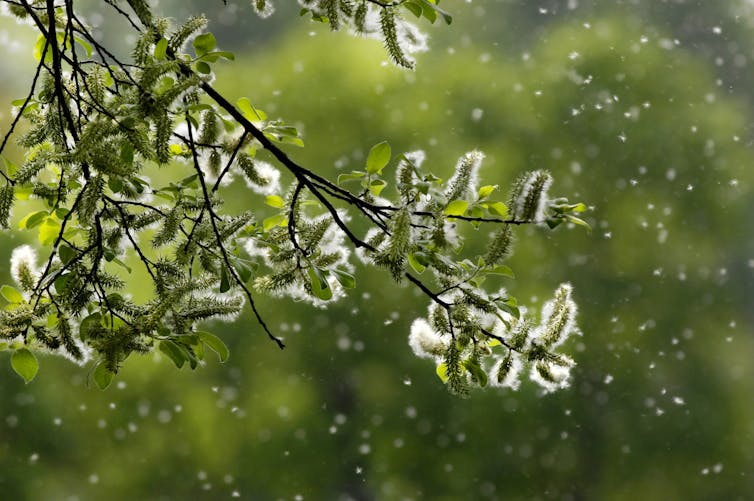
(506, 371)
(23, 267)
(558, 318)
(529, 197)
(425, 341)
(462, 185)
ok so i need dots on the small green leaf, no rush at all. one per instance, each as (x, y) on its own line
(456, 208)
(204, 43)
(274, 201)
(320, 287)
(102, 376)
(494, 342)
(501, 269)
(353, 176)
(211, 57)
(87, 47)
(414, 8)
(39, 48)
(11, 295)
(578, 221)
(49, 231)
(344, 278)
(476, 371)
(216, 344)
(66, 254)
(10, 167)
(376, 186)
(25, 364)
(430, 4)
(91, 323)
(511, 308)
(160, 49)
(244, 270)
(33, 219)
(442, 372)
(415, 264)
(378, 157)
(173, 352)
(580, 207)
(249, 111)
(276, 220)
(498, 208)
(224, 281)
(203, 68)
(486, 191)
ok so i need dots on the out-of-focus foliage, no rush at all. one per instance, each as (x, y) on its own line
(660, 406)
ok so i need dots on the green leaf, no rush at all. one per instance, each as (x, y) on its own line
(33, 219)
(66, 254)
(578, 221)
(510, 307)
(203, 68)
(11, 295)
(39, 47)
(244, 269)
(353, 176)
(92, 322)
(10, 167)
(102, 375)
(415, 264)
(442, 372)
(498, 208)
(249, 111)
(61, 283)
(216, 344)
(204, 43)
(274, 201)
(49, 231)
(501, 269)
(276, 220)
(25, 364)
(344, 278)
(160, 49)
(429, 14)
(433, 5)
(224, 282)
(320, 287)
(580, 207)
(212, 57)
(486, 191)
(456, 208)
(23, 192)
(87, 47)
(414, 8)
(173, 352)
(376, 186)
(476, 371)
(378, 157)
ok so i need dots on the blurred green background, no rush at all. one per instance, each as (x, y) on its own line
(643, 111)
